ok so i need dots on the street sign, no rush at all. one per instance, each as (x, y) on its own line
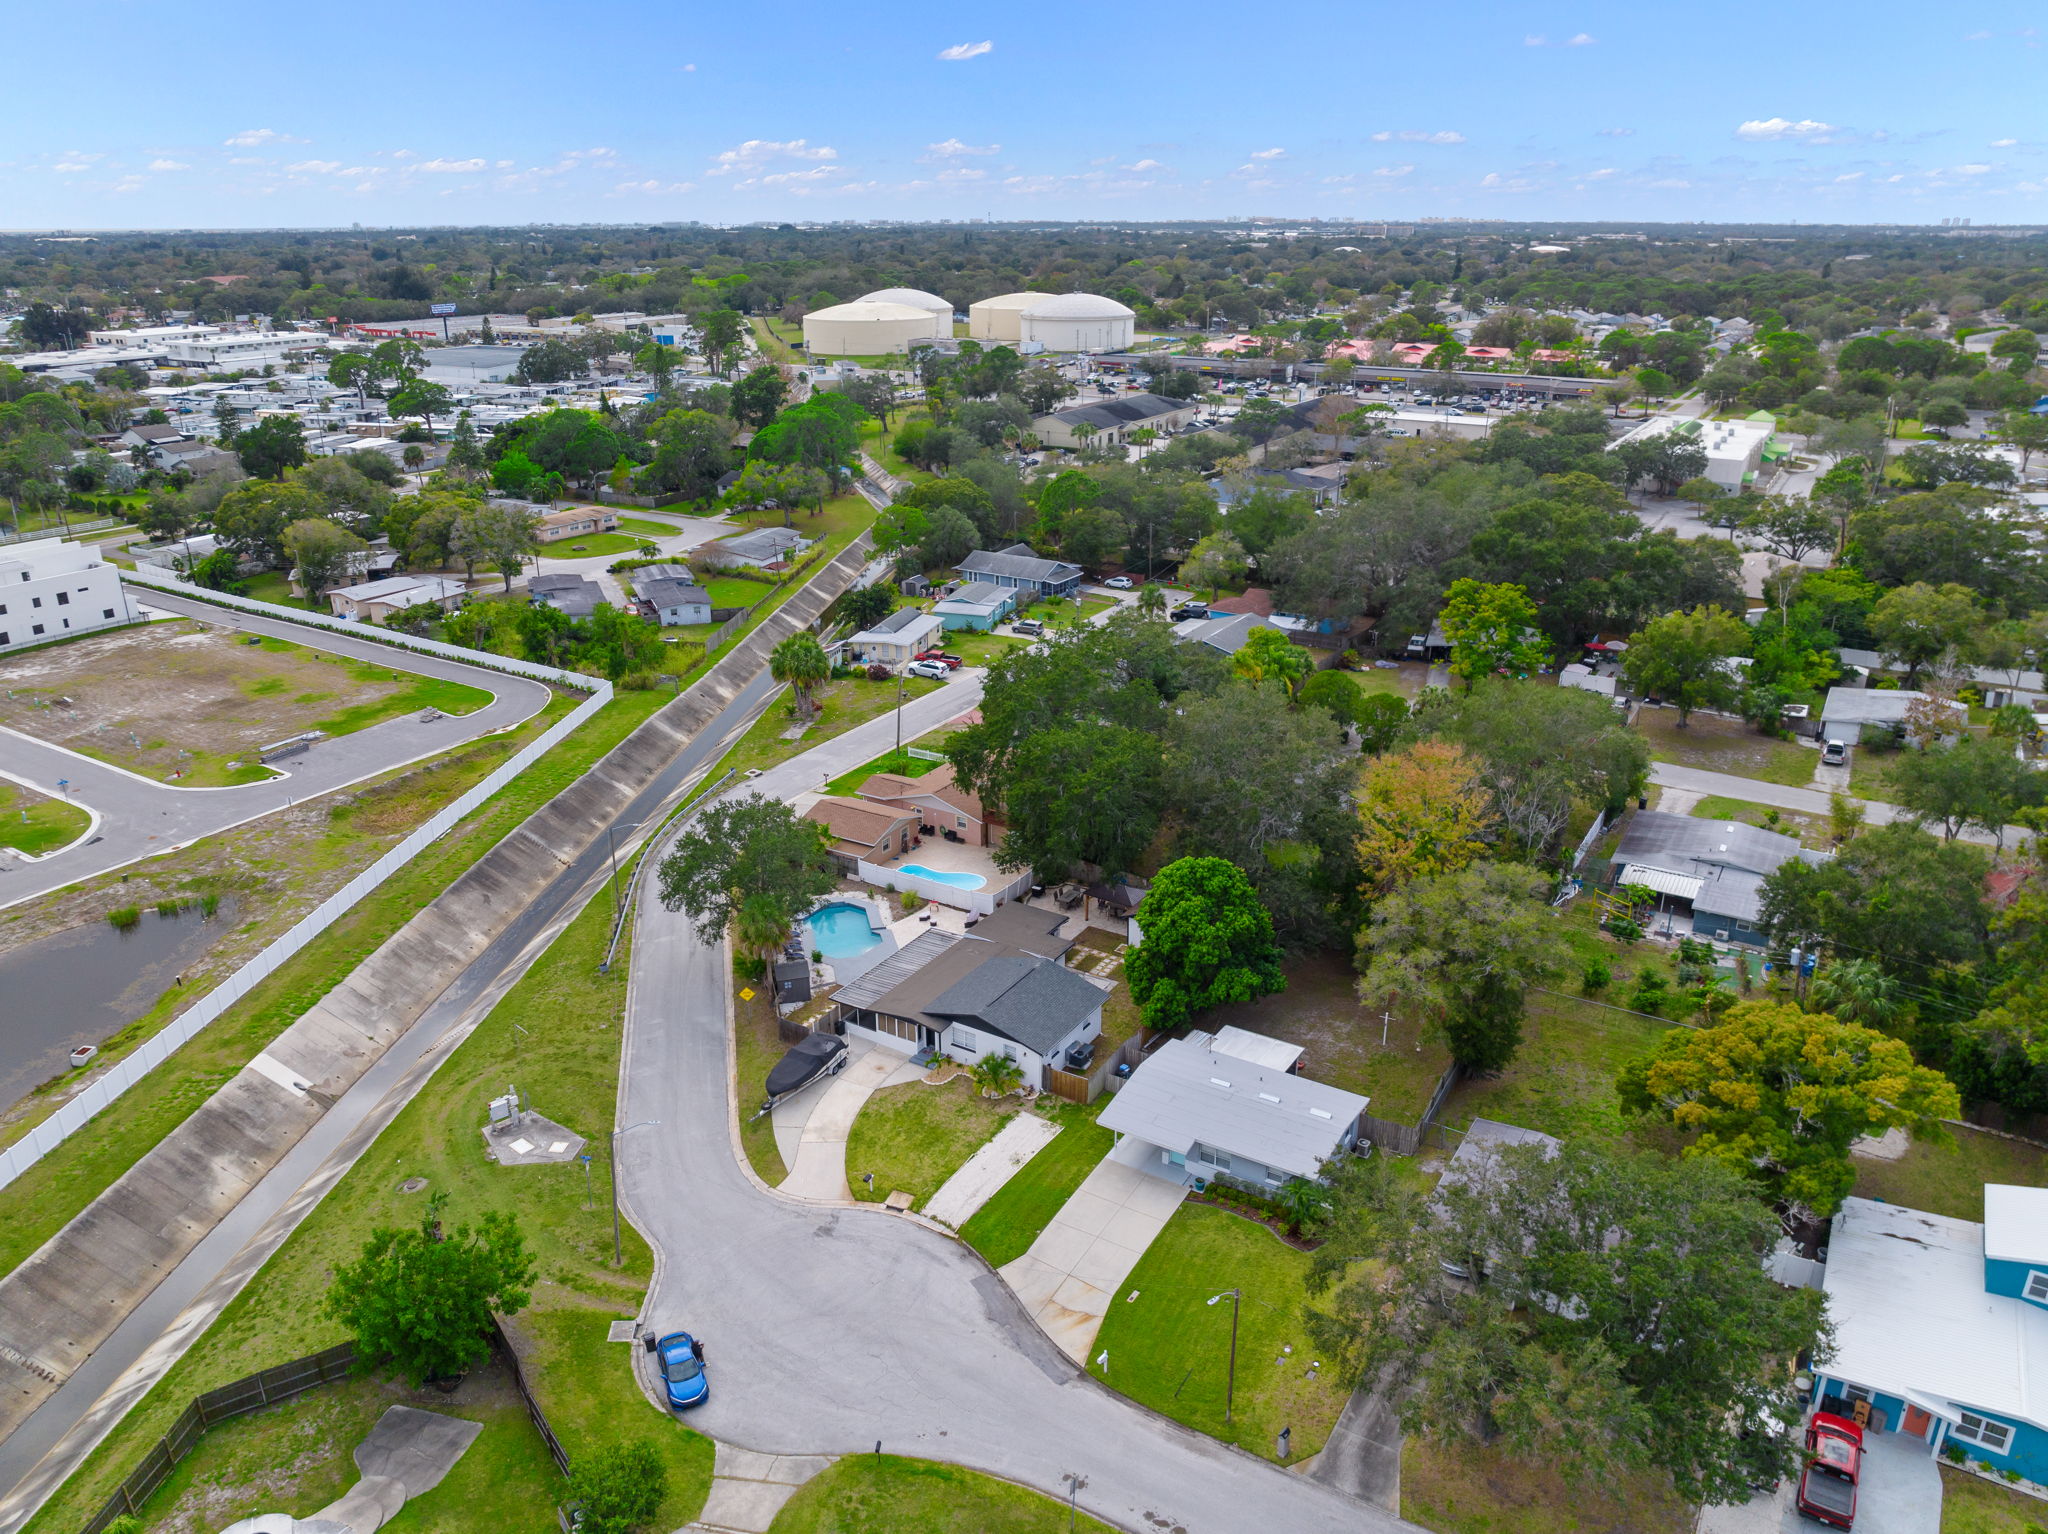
(442, 309)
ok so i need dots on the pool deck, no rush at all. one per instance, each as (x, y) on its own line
(935, 852)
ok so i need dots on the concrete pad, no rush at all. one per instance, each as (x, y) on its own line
(1892, 1145)
(527, 1139)
(1107, 1263)
(1032, 1280)
(749, 1507)
(990, 1167)
(414, 1448)
(819, 1169)
(1060, 1245)
(1088, 1211)
(1156, 1199)
(366, 1506)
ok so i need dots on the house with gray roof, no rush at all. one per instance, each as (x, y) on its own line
(1000, 989)
(571, 594)
(1017, 568)
(761, 548)
(1195, 1110)
(1225, 633)
(896, 641)
(1851, 712)
(1113, 420)
(976, 605)
(1710, 870)
(668, 598)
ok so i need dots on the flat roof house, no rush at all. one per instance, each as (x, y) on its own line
(375, 601)
(896, 640)
(53, 587)
(576, 522)
(763, 547)
(998, 990)
(1713, 868)
(977, 605)
(1196, 1109)
(1941, 1325)
(571, 594)
(1850, 711)
(1017, 568)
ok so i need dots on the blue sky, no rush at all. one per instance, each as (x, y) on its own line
(238, 115)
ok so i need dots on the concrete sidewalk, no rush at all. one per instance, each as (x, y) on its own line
(985, 1172)
(818, 1171)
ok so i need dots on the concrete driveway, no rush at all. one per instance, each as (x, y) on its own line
(1077, 1266)
(1900, 1494)
(817, 1161)
(140, 817)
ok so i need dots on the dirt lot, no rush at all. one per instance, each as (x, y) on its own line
(1726, 745)
(1320, 1011)
(192, 702)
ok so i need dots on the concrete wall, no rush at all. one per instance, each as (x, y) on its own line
(72, 1292)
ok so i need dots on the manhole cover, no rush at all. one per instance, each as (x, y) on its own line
(412, 1185)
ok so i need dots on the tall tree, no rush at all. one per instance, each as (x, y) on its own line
(321, 551)
(1082, 795)
(753, 849)
(1208, 942)
(1973, 781)
(759, 395)
(1779, 1095)
(1682, 658)
(421, 1301)
(1422, 811)
(496, 535)
(719, 332)
(1268, 655)
(801, 662)
(1492, 631)
(1465, 947)
(1921, 623)
(272, 445)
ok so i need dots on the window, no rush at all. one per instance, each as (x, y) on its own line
(1983, 1431)
(2037, 1287)
(963, 1038)
(63, 599)
(35, 601)
(106, 612)
(1212, 1158)
(35, 628)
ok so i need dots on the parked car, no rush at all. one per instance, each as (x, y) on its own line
(950, 662)
(1834, 753)
(1417, 647)
(1029, 626)
(1119, 583)
(1188, 610)
(1827, 1487)
(937, 670)
(682, 1370)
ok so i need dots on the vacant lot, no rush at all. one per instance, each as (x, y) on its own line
(1812, 830)
(1467, 1489)
(1561, 1081)
(1725, 745)
(1972, 1505)
(192, 703)
(35, 823)
(1949, 1179)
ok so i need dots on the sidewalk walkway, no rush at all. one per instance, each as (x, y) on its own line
(1807, 801)
(1080, 1261)
(989, 1168)
(819, 1171)
(749, 1489)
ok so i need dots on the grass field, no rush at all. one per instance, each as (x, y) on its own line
(1562, 1079)
(914, 1137)
(556, 1033)
(37, 823)
(979, 649)
(1725, 745)
(1169, 1349)
(643, 527)
(1003, 1229)
(590, 545)
(735, 591)
(1972, 1505)
(757, 1046)
(881, 1494)
(193, 702)
(1466, 1489)
(37, 1203)
(902, 763)
(1949, 1179)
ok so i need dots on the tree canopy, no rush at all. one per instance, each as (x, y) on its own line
(1208, 942)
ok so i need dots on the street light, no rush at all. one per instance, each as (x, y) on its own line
(1235, 1296)
(1074, 1485)
(617, 1256)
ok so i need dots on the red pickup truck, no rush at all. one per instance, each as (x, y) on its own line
(1827, 1487)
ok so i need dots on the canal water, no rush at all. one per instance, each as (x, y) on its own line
(83, 985)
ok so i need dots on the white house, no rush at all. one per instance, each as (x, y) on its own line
(1850, 711)
(242, 350)
(1209, 1106)
(896, 640)
(376, 600)
(53, 587)
(671, 599)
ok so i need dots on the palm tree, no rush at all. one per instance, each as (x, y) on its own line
(801, 662)
(1857, 991)
(1152, 599)
(997, 1075)
(1302, 1203)
(761, 926)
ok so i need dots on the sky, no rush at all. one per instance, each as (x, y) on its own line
(244, 116)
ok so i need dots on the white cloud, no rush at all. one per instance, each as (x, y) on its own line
(1973, 170)
(247, 159)
(71, 166)
(2004, 143)
(689, 69)
(1417, 136)
(1581, 40)
(1394, 170)
(1596, 175)
(793, 177)
(960, 51)
(252, 138)
(506, 164)
(951, 148)
(1671, 183)
(652, 188)
(1615, 133)
(1765, 129)
(168, 165)
(1145, 165)
(1534, 40)
(315, 167)
(1268, 154)
(1976, 37)
(756, 152)
(450, 167)
(1854, 175)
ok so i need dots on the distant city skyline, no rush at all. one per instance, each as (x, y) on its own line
(633, 112)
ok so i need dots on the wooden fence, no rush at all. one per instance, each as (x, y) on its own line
(271, 1387)
(1075, 1088)
(1407, 1139)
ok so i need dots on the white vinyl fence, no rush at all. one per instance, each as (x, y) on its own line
(104, 1089)
(980, 902)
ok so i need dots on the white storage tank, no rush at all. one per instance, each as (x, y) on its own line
(1077, 322)
(916, 298)
(866, 328)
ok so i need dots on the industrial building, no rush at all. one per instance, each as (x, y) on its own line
(52, 588)
(871, 328)
(1735, 449)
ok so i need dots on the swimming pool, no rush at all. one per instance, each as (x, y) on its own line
(840, 930)
(942, 876)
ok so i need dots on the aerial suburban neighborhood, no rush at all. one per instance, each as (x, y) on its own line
(894, 809)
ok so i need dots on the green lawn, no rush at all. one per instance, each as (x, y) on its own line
(1562, 1079)
(976, 648)
(1812, 830)
(1468, 1489)
(590, 545)
(1870, 769)
(757, 1045)
(914, 1137)
(1003, 1229)
(1169, 1349)
(37, 1203)
(735, 591)
(36, 823)
(891, 760)
(1949, 1179)
(641, 527)
(556, 1034)
(882, 1494)
(1972, 1505)
(1726, 745)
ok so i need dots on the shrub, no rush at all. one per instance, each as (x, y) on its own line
(208, 905)
(1625, 929)
(619, 1487)
(749, 966)
(912, 901)
(1952, 1452)
(878, 672)
(169, 907)
(1597, 976)
(1650, 991)
(122, 918)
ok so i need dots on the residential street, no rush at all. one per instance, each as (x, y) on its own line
(139, 817)
(832, 1330)
(1806, 801)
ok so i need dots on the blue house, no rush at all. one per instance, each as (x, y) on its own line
(977, 605)
(1941, 1325)
(1711, 871)
(1017, 568)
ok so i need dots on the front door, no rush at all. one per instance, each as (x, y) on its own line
(1917, 1422)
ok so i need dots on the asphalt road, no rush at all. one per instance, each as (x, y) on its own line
(103, 1388)
(830, 1330)
(138, 818)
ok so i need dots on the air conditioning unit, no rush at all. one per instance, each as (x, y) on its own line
(1721, 936)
